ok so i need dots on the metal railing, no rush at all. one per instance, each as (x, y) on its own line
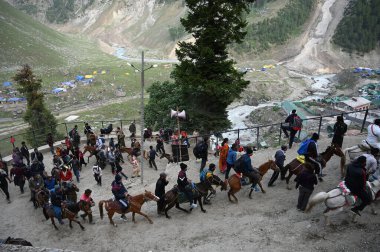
(271, 134)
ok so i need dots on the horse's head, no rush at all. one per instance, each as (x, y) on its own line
(215, 180)
(150, 196)
(270, 164)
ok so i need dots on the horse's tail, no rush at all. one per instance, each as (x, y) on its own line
(101, 208)
(316, 199)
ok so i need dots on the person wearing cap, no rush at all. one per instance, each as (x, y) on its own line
(160, 192)
(184, 185)
(121, 194)
(86, 199)
(373, 137)
(279, 158)
(56, 198)
(312, 154)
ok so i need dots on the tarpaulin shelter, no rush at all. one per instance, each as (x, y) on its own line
(58, 90)
(7, 84)
(88, 76)
(15, 99)
(87, 81)
(68, 83)
(79, 77)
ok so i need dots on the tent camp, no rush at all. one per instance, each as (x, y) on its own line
(2, 99)
(7, 84)
(58, 90)
(79, 77)
(16, 99)
(87, 81)
(88, 76)
(68, 83)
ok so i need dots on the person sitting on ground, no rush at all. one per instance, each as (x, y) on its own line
(184, 185)
(355, 181)
(373, 136)
(121, 194)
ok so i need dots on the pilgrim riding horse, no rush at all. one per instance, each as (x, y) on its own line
(296, 166)
(206, 186)
(235, 182)
(135, 204)
(69, 211)
(339, 198)
(92, 150)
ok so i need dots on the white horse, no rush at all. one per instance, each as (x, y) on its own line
(335, 201)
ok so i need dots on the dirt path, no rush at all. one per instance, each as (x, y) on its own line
(268, 222)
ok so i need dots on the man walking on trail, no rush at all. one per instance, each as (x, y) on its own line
(294, 124)
(132, 129)
(152, 156)
(279, 160)
(25, 152)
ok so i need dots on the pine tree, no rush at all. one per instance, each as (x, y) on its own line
(39, 118)
(207, 78)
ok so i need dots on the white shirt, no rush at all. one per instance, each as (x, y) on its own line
(97, 170)
(373, 137)
(370, 164)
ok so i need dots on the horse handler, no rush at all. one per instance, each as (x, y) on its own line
(86, 199)
(160, 192)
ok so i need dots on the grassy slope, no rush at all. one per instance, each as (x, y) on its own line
(24, 40)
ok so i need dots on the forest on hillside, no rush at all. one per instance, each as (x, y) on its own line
(277, 30)
(359, 30)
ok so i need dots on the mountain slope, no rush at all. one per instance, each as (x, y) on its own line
(24, 40)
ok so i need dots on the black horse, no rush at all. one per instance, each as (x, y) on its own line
(16, 241)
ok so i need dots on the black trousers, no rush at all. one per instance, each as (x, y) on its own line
(229, 166)
(303, 197)
(98, 179)
(161, 203)
(365, 198)
(4, 187)
(152, 163)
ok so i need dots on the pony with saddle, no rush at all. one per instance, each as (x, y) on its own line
(235, 181)
(69, 211)
(339, 198)
(201, 190)
(296, 166)
(134, 206)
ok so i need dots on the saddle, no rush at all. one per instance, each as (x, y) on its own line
(351, 199)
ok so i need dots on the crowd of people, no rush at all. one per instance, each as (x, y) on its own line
(68, 163)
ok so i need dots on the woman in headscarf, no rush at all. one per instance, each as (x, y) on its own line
(223, 155)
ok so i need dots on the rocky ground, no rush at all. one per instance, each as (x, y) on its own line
(268, 222)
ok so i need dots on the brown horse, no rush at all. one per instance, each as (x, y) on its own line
(69, 211)
(41, 198)
(91, 139)
(135, 204)
(235, 182)
(92, 150)
(70, 192)
(296, 167)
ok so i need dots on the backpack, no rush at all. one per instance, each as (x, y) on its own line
(239, 165)
(302, 150)
(297, 123)
(200, 149)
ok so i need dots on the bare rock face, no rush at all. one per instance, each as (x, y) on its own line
(251, 101)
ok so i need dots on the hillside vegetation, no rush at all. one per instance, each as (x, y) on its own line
(24, 40)
(359, 30)
(277, 30)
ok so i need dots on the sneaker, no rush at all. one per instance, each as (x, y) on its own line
(192, 206)
(355, 211)
(123, 217)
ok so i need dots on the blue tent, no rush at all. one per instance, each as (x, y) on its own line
(2, 99)
(14, 99)
(7, 84)
(87, 81)
(58, 90)
(79, 77)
